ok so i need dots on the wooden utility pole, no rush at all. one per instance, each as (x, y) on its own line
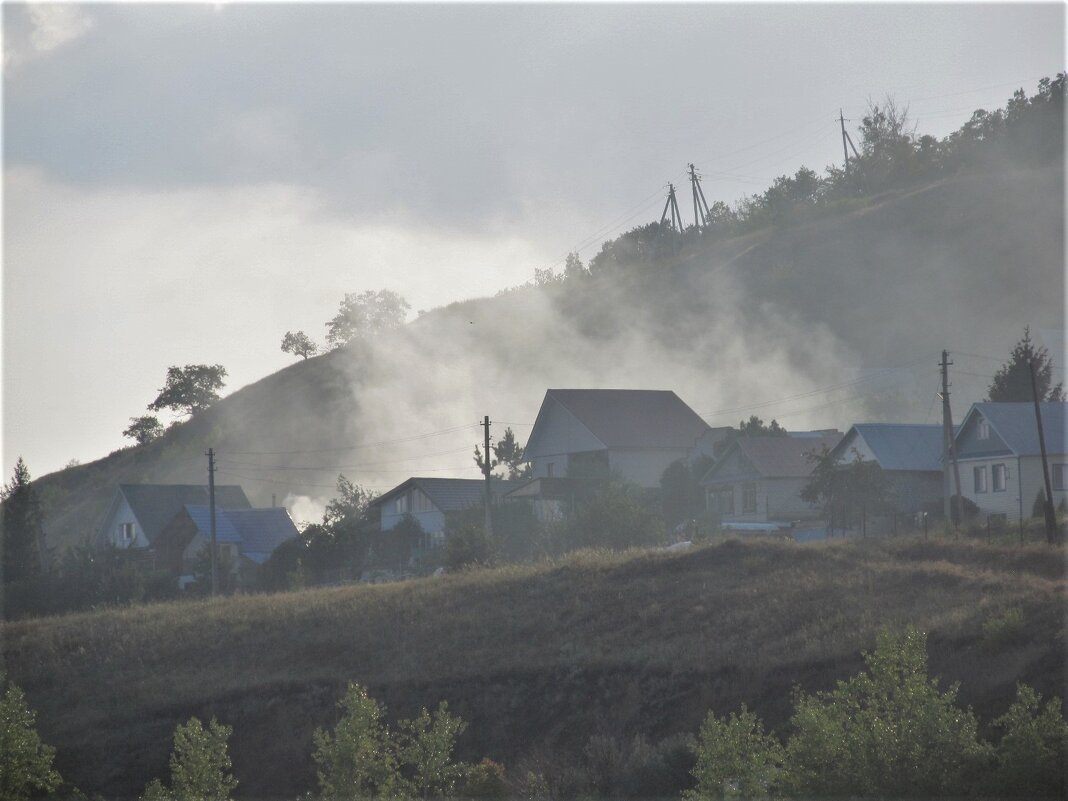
(949, 449)
(700, 205)
(211, 515)
(487, 467)
(846, 140)
(672, 205)
(1050, 514)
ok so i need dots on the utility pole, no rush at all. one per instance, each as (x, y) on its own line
(700, 205)
(211, 514)
(672, 205)
(487, 466)
(846, 139)
(949, 449)
(1051, 516)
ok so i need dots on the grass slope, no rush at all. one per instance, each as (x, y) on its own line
(536, 657)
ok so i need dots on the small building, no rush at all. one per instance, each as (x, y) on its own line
(759, 479)
(427, 500)
(596, 433)
(1000, 460)
(910, 455)
(139, 512)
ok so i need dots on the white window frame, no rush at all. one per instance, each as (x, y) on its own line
(983, 429)
(1059, 477)
(997, 471)
(979, 480)
(749, 490)
(127, 533)
(401, 504)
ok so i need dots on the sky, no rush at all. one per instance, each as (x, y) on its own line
(185, 183)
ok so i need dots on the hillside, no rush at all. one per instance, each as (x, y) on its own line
(536, 658)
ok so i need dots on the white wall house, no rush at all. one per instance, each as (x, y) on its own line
(594, 433)
(1000, 459)
(426, 500)
(759, 479)
(139, 512)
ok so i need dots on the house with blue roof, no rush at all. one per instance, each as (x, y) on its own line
(910, 455)
(1000, 459)
(139, 512)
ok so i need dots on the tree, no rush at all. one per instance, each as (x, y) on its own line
(200, 765)
(144, 429)
(754, 427)
(614, 517)
(509, 453)
(358, 760)
(1012, 381)
(23, 527)
(1030, 757)
(299, 344)
(25, 762)
(425, 747)
(190, 389)
(681, 494)
(735, 759)
(366, 314)
(574, 268)
(887, 731)
(847, 493)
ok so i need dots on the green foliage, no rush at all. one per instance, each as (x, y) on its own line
(847, 493)
(23, 526)
(468, 545)
(397, 548)
(25, 762)
(358, 760)
(1012, 381)
(887, 731)
(681, 495)
(190, 389)
(144, 429)
(366, 315)
(425, 746)
(1004, 628)
(614, 517)
(1030, 757)
(299, 344)
(1038, 507)
(754, 427)
(485, 780)
(200, 765)
(509, 453)
(735, 759)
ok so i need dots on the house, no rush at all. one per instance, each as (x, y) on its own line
(139, 512)
(910, 455)
(426, 500)
(552, 499)
(1000, 460)
(245, 538)
(632, 433)
(759, 479)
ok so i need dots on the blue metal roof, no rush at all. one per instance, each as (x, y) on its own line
(262, 530)
(201, 517)
(900, 446)
(1015, 424)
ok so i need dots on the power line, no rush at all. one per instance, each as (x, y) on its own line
(339, 466)
(361, 446)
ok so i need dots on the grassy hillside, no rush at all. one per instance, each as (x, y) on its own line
(538, 658)
(962, 263)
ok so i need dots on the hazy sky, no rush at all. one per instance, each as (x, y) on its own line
(184, 183)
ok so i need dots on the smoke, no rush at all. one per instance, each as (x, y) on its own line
(304, 510)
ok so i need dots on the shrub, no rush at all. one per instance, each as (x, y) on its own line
(614, 517)
(357, 760)
(485, 780)
(468, 545)
(1004, 628)
(425, 747)
(25, 762)
(886, 731)
(735, 759)
(1030, 757)
(200, 765)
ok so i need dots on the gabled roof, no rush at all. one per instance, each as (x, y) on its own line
(1015, 424)
(155, 505)
(632, 418)
(776, 457)
(256, 532)
(897, 446)
(450, 494)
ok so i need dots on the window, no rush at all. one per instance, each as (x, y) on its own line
(980, 479)
(998, 474)
(748, 498)
(984, 429)
(549, 470)
(402, 504)
(126, 533)
(1060, 475)
(420, 502)
(723, 501)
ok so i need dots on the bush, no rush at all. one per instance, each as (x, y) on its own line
(735, 759)
(1004, 628)
(614, 517)
(424, 748)
(200, 765)
(1030, 757)
(886, 731)
(25, 762)
(468, 545)
(485, 780)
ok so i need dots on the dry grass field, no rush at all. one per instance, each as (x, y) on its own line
(537, 657)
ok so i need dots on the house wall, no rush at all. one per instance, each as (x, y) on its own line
(433, 522)
(199, 543)
(777, 499)
(557, 434)
(112, 529)
(644, 466)
(1023, 484)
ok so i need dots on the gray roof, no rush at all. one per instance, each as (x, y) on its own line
(450, 494)
(155, 505)
(633, 418)
(899, 446)
(1015, 424)
(777, 457)
(257, 532)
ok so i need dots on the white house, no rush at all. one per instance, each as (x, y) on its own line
(426, 500)
(1000, 460)
(632, 433)
(139, 512)
(759, 479)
